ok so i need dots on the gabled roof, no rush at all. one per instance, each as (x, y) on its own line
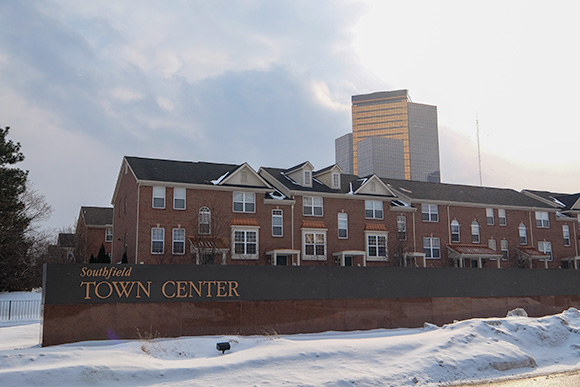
(186, 172)
(329, 168)
(565, 202)
(97, 216)
(66, 240)
(299, 166)
(281, 177)
(418, 190)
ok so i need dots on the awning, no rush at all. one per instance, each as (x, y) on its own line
(209, 242)
(313, 224)
(575, 259)
(415, 255)
(472, 252)
(294, 253)
(350, 253)
(531, 253)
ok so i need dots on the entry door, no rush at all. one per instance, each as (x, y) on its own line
(348, 260)
(281, 260)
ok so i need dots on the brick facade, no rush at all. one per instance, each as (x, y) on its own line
(311, 236)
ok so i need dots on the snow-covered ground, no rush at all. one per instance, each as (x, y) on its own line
(465, 351)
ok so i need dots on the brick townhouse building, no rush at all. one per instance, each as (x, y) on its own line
(94, 228)
(197, 212)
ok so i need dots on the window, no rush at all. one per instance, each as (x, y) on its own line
(475, 238)
(179, 198)
(523, 234)
(429, 213)
(542, 219)
(108, 235)
(314, 244)
(546, 248)
(277, 227)
(312, 206)
(489, 216)
(244, 202)
(157, 240)
(566, 234)
(204, 221)
(492, 244)
(343, 225)
(502, 217)
(373, 209)
(402, 227)
(245, 243)
(158, 197)
(307, 179)
(504, 249)
(335, 180)
(178, 241)
(376, 246)
(455, 234)
(432, 248)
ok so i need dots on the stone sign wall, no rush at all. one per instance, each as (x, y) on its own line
(93, 302)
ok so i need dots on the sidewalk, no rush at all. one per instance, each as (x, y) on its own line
(567, 379)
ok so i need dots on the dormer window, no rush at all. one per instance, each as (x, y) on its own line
(308, 178)
(335, 180)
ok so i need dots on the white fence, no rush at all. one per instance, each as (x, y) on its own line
(15, 310)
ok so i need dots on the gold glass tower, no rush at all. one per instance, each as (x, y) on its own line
(392, 115)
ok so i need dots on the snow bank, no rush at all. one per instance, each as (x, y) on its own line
(465, 351)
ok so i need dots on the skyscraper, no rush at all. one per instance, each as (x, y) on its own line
(392, 116)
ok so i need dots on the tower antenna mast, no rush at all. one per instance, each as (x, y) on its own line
(478, 148)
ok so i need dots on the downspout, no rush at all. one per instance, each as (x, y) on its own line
(448, 223)
(531, 229)
(137, 223)
(414, 233)
(575, 237)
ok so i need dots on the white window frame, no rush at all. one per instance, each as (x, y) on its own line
(310, 205)
(250, 236)
(204, 221)
(373, 241)
(455, 231)
(342, 225)
(374, 209)
(307, 178)
(335, 180)
(523, 234)
(504, 246)
(318, 239)
(430, 213)
(566, 235)
(158, 195)
(108, 234)
(402, 227)
(247, 201)
(492, 244)
(489, 216)
(178, 240)
(179, 198)
(430, 246)
(546, 248)
(502, 217)
(475, 232)
(542, 219)
(277, 223)
(157, 240)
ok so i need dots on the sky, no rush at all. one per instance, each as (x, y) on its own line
(489, 349)
(269, 82)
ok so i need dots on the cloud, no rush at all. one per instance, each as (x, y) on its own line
(267, 82)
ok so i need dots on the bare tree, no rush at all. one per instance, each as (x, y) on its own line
(211, 236)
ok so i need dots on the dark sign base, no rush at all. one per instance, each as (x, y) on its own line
(66, 323)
